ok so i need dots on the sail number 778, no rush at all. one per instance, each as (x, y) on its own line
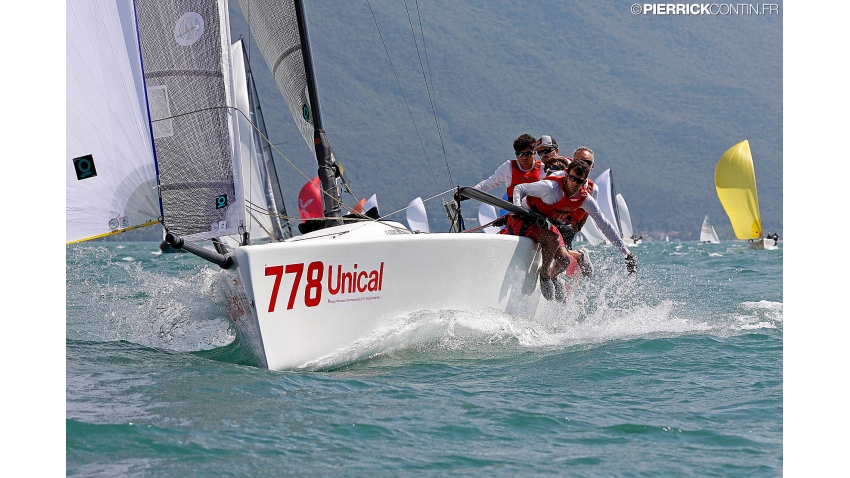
(346, 281)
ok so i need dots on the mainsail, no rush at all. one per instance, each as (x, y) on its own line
(279, 26)
(735, 180)
(110, 173)
(186, 56)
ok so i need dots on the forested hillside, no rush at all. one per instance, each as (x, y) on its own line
(658, 98)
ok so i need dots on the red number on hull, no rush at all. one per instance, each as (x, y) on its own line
(313, 290)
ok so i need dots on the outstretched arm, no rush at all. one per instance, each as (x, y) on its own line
(547, 190)
(604, 224)
(501, 176)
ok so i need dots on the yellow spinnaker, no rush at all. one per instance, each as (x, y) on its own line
(735, 180)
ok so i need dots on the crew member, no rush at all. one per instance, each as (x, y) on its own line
(562, 200)
(523, 169)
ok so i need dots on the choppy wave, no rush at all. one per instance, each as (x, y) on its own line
(173, 302)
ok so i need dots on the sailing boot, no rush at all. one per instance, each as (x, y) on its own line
(584, 263)
(547, 288)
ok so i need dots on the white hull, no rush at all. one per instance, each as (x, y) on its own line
(396, 273)
(762, 243)
(628, 241)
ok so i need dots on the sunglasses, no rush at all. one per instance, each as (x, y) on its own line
(555, 167)
(576, 180)
(543, 152)
(522, 154)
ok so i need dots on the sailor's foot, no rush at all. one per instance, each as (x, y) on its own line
(547, 288)
(584, 263)
(560, 290)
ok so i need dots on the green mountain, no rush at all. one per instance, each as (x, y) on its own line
(658, 97)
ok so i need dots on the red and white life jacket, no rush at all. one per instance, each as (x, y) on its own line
(518, 176)
(566, 211)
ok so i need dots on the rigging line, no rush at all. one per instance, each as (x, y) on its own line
(266, 139)
(402, 93)
(362, 218)
(428, 81)
(423, 201)
(485, 225)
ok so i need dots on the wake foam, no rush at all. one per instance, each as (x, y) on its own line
(114, 298)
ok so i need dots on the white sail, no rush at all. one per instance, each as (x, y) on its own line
(255, 181)
(592, 233)
(626, 231)
(370, 203)
(417, 218)
(110, 170)
(707, 233)
(486, 214)
(606, 199)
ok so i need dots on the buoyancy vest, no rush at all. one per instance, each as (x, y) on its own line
(518, 176)
(566, 211)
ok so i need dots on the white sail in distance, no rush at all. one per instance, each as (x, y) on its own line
(607, 201)
(487, 214)
(417, 218)
(592, 233)
(626, 230)
(707, 233)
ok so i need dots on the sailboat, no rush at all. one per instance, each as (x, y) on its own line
(626, 231)
(735, 181)
(614, 208)
(153, 137)
(417, 218)
(707, 235)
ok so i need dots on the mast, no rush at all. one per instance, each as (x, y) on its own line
(327, 167)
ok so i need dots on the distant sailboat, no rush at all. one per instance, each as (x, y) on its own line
(707, 234)
(735, 180)
(417, 218)
(486, 215)
(626, 232)
(607, 198)
(614, 208)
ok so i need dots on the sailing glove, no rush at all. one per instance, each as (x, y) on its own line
(631, 263)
